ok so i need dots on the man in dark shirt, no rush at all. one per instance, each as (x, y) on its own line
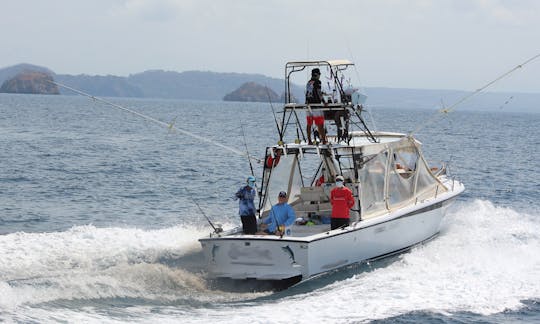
(314, 96)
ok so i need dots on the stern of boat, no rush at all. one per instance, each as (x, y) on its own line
(254, 257)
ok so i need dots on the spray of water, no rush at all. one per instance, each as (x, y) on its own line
(485, 261)
(86, 262)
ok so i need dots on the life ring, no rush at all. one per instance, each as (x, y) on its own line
(272, 162)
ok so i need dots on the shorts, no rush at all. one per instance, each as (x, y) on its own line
(316, 118)
(249, 224)
(338, 222)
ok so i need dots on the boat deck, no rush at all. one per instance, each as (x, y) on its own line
(308, 230)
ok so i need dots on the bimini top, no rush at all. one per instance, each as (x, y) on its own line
(316, 63)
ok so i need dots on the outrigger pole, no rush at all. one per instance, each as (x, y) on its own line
(274, 113)
(170, 126)
(468, 96)
(247, 151)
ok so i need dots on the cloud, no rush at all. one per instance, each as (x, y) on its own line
(500, 12)
(394, 42)
(150, 11)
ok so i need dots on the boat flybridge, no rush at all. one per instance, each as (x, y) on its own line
(399, 199)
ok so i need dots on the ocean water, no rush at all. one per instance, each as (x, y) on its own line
(98, 221)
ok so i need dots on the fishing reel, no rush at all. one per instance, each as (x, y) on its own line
(218, 228)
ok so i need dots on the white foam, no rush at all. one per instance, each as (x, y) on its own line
(485, 261)
(86, 262)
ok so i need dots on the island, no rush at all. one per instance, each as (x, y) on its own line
(252, 92)
(30, 82)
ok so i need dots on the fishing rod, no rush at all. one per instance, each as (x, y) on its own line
(274, 113)
(169, 126)
(247, 151)
(218, 229)
(251, 167)
(472, 94)
(273, 215)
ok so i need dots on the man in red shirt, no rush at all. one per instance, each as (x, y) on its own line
(342, 200)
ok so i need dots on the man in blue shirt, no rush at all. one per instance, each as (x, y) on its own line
(281, 215)
(246, 196)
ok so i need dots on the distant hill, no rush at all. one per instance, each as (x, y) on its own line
(103, 86)
(206, 85)
(197, 85)
(253, 92)
(435, 99)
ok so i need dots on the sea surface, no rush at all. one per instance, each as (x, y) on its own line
(99, 221)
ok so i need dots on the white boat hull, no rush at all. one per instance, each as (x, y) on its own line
(273, 258)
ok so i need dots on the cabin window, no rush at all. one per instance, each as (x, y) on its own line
(405, 160)
(372, 181)
(401, 175)
(284, 177)
(426, 185)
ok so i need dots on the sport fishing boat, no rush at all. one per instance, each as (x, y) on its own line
(400, 199)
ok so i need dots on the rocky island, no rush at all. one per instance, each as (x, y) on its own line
(30, 82)
(253, 92)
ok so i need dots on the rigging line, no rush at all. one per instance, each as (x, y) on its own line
(506, 102)
(170, 126)
(468, 96)
(359, 85)
(157, 180)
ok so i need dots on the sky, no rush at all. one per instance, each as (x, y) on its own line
(432, 44)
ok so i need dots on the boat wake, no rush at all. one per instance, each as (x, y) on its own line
(485, 261)
(88, 263)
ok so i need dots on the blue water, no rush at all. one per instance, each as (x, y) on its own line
(98, 221)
